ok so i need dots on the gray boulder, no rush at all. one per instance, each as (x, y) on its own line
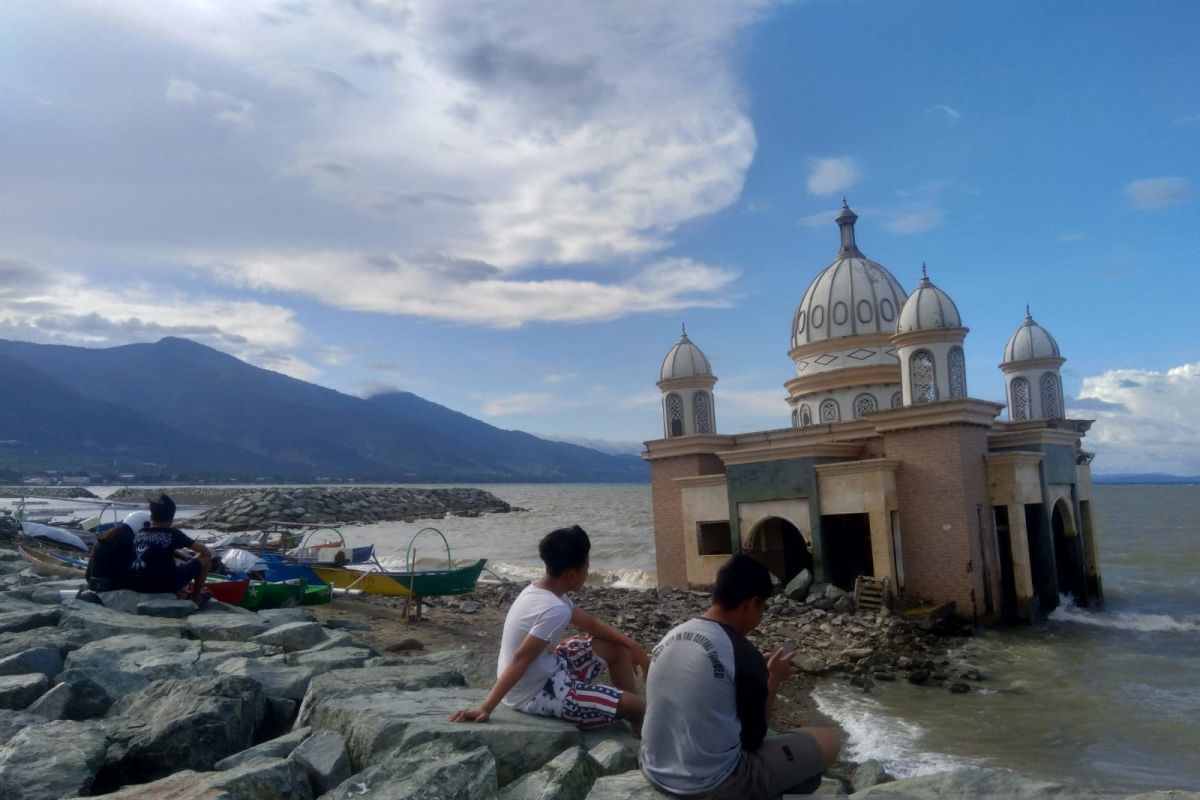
(225, 627)
(797, 588)
(336, 685)
(277, 680)
(279, 747)
(116, 666)
(28, 619)
(324, 759)
(99, 622)
(54, 704)
(172, 608)
(972, 782)
(13, 722)
(18, 691)
(568, 776)
(258, 779)
(275, 617)
(626, 786)
(293, 636)
(324, 660)
(869, 773)
(127, 600)
(613, 757)
(46, 660)
(180, 724)
(46, 762)
(65, 640)
(435, 770)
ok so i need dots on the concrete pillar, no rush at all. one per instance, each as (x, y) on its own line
(1018, 537)
(882, 552)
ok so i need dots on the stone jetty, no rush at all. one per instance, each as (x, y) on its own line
(317, 505)
(52, 492)
(149, 697)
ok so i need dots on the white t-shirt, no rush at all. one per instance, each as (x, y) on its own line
(544, 615)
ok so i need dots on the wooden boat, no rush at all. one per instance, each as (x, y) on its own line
(49, 564)
(273, 594)
(231, 592)
(317, 595)
(437, 582)
(378, 581)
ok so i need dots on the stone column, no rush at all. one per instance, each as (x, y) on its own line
(1018, 538)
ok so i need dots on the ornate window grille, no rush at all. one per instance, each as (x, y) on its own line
(805, 416)
(1020, 398)
(1051, 397)
(957, 365)
(921, 377)
(897, 400)
(703, 417)
(795, 418)
(864, 404)
(830, 411)
(674, 414)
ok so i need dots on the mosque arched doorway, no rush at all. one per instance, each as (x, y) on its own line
(1068, 553)
(781, 546)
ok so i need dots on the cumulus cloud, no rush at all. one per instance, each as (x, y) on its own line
(755, 403)
(1151, 193)
(832, 175)
(914, 219)
(1146, 420)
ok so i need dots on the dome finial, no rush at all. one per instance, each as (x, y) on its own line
(1028, 315)
(683, 325)
(845, 221)
(924, 274)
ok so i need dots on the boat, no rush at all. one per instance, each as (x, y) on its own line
(52, 533)
(288, 553)
(227, 591)
(50, 564)
(368, 581)
(317, 595)
(437, 582)
(273, 594)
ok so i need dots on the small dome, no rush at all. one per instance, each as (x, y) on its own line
(853, 296)
(685, 360)
(1030, 342)
(928, 307)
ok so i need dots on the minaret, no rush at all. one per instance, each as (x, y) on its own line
(686, 381)
(928, 341)
(1032, 373)
(845, 221)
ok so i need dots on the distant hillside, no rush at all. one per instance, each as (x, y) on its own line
(182, 404)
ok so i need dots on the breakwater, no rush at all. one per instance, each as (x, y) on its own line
(52, 492)
(344, 505)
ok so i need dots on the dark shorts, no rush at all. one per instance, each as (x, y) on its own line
(186, 572)
(789, 763)
(172, 580)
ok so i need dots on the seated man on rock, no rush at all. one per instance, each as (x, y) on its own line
(537, 676)
(709, 697)
(153, 568)
(108, 567)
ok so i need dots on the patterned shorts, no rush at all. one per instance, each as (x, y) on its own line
(569, 694)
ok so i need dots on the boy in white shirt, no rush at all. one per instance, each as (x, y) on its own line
(537, 673)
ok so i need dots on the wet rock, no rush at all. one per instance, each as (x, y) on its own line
(293, 636)
(869, 773)
(46, 660)
(18, 691)
(46, 762)
(324, 759)
(972, 782)
(279, 747)
(626, 786)
(433, 770)
(568, 776)
(613, 757)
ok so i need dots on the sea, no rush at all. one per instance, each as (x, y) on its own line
(1107, 699)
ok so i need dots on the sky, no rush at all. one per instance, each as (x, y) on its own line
(510, 208)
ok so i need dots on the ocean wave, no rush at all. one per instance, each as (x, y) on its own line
(1124, 620)
(873, 733)
(618, 578)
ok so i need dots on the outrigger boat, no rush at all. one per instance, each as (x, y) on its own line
(48, 564)
(289, 550)
(437, 582)
(368, 581)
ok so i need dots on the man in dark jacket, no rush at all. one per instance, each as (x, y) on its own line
(153, 568)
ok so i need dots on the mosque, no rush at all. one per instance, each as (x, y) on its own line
(890, 475)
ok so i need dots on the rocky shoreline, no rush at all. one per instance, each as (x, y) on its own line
(51, 492)
(148, 697)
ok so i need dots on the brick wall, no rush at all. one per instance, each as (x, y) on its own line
(669, 540)
(941, 479)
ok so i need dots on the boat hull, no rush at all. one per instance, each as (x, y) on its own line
(381, 583)
(436, 583)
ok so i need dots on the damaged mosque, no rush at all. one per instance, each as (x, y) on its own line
(891, 481)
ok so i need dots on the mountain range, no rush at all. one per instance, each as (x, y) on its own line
(176, 409)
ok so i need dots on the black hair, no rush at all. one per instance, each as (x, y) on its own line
(162, 509)
(739, 579)
(564, 549)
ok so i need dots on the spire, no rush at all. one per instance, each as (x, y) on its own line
(1028, 316)
(683, 337)
(845, 221)
(924, 274)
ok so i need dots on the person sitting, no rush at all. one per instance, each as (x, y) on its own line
(108, 567)
(153, 568)
(537, 677)
(709, 696)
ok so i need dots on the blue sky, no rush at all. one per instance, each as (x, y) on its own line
(510, 208)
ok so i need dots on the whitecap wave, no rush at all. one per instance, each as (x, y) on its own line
(1067, 611)
(617, 578)
(873, 733)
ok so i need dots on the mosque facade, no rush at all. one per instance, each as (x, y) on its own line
(889, 473)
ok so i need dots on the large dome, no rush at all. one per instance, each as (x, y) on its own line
(1030, 342)
(928, 307)
(853, 296)
(685, 360)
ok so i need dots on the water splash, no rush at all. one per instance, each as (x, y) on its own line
(1068, 612)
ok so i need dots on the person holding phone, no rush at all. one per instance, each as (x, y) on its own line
(709, 696)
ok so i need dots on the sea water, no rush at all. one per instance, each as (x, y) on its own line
(1107, 698)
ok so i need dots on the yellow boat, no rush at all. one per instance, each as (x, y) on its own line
(382, 583)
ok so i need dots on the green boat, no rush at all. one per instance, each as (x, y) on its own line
(273, 594)
(317, 595)
(437, 582)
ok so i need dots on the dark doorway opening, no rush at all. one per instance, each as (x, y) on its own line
(780, 545)
(1008, 577)
(846, 546)
(1041, 561)
(1068, 555)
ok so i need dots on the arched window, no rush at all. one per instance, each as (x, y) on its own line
(795, 418)
(957, 365)
(897, 400)
(830, 411)
(921, 377)
(864, 404)
(701, 406)
(674, 415)
(1020, 399)
(1051, 396)
(805, 416)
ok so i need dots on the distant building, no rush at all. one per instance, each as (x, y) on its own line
(889, 470)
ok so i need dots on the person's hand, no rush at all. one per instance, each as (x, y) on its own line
(779, 664)
(639, 658)
(470, 715)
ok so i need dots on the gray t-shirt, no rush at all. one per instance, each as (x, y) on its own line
(706, 700)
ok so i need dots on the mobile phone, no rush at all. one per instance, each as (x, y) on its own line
(788, 647)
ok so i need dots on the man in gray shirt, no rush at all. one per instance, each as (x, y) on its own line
(708, 699)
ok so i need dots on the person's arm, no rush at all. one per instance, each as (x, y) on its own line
(201, 548)
(605, 632)
(526, 654)
(779, 666)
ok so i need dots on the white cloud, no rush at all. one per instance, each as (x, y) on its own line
(225, 108)
(520, 403)
(945, 112)
(832, 175)
(1152, 193)
(1146, 420)
(559, 377)
(914, 219)
(755, 403)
